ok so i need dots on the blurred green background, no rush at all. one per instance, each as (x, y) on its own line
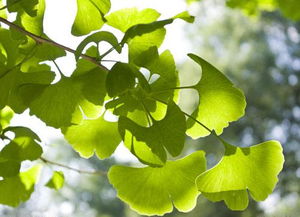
(261, 55)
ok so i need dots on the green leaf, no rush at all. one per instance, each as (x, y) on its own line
(154, 191)
(97, 38)
(18, 189)
(12, 81)
(90, 16)
(30, 16)
(140, 29)
(9, 167)
(169, 134)
(9, 51)
(141, 44)
(120, 78)
(99, 136)
(57, 180)
(219, 101)
(60, 104)
(125, 18)
(254, 169)
(6, 114)
(23, 147)
(2, 12)
(165, 67)
(57, 103)
(290, 8)
(19, 6)
(185, 16)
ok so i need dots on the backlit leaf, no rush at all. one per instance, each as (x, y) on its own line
(154, 191)
(219, 101)
(90, 16)
(99, 136)
(57, 180)
(125, 18)
(18, 189)
(254, 169)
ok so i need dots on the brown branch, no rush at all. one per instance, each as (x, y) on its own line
(96, 172)
(39, 39)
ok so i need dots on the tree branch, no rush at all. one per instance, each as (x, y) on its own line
(96, 172)
(39, 39)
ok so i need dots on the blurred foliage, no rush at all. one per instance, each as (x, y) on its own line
(289, 8)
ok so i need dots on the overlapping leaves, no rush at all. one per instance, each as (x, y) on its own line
(141, 92)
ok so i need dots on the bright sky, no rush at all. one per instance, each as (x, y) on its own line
(58, 20)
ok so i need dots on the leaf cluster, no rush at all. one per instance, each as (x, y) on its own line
(150, 122)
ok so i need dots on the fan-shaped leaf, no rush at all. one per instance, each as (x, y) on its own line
(90, 16)
(99, 136)
(154, 191)
(57, 180)
(219, 101)
(241, 169)
(125, 18)
(18, 189)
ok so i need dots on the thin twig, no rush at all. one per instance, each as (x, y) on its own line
(96, 172)
(174, 88)
(39, 39)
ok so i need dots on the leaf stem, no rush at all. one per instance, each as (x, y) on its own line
(96, 172)
(60, 72)
(108, 52)
(39, 39)
(175, 88)
(148, 114)
(113, 61)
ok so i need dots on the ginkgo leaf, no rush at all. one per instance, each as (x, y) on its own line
(6, 114)
(11, 82)
(9, 167)
(57, 180)
(141, 29)
(90, 16)
(219, 101)
(141, 44)
(56, 103)
(60, 104)
(27, 6)
(168, 133)
(164, 66)
(120, 78)
(125, 18)
(253, 168)
(24, 146)
(99, 136)
(97, 38)
(18, 189)
(154, 191)
(2, 12)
